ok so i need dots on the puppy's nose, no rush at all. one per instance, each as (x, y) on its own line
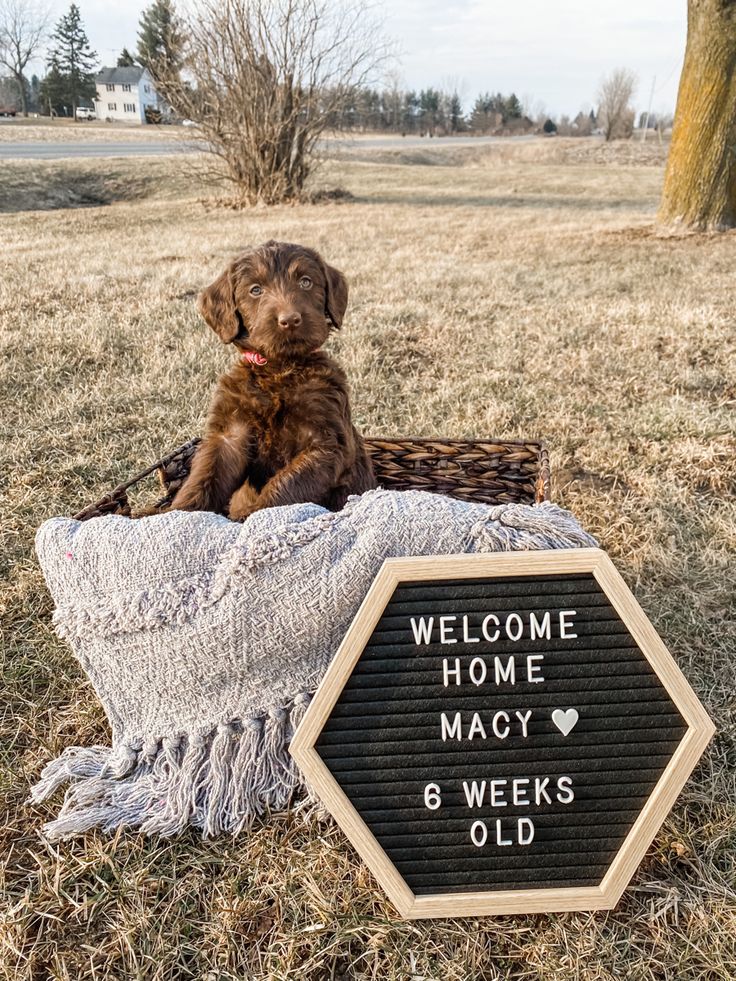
(290, 319)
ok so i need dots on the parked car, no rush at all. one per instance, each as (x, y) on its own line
(85, 112)
(8, 111)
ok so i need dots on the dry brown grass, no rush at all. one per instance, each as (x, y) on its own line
(60, 130)
(88, 183)
(513, 298)
(536, 150)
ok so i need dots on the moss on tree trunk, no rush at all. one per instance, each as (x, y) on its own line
(700, 182)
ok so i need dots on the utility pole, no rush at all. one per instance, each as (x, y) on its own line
(649, 111)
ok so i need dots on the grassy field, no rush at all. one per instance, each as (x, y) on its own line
(513, 294)
(62, 130)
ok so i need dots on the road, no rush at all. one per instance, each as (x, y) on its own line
(39, 150)
(62, 151)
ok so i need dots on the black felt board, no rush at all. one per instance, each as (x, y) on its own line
(383, 744)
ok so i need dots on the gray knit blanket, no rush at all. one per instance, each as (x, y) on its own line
(204, 639)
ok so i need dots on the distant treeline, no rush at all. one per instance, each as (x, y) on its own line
(431, 112)
(427, 112)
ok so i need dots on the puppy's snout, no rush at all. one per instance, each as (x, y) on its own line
(290, 319)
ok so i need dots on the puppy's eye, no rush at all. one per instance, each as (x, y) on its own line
(256, 290)
(305, 282)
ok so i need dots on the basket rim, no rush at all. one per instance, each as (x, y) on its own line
(454, 441)
(543, 478)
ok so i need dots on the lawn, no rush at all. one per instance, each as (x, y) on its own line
(62, 130)
(509, 293)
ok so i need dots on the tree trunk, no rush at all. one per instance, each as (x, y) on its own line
(18, 72)
(22, 93)
(700, 181)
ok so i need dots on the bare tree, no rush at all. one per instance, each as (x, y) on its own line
(534, 109)
(23, 26)
(700, 181)
(263, 79)
(393, 99)
(615, 114)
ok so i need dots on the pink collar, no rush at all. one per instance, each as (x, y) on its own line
(253, 357)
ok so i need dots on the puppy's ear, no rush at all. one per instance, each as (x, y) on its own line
(217, 305)
(336, 295)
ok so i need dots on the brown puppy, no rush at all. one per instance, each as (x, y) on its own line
(279, 429)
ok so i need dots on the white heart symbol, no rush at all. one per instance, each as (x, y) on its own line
(565, 721)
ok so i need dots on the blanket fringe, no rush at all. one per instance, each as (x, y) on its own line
(218, 781)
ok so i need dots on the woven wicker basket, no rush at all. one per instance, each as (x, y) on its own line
(482, 471)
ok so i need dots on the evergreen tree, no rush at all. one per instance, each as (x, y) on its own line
(498, 106)
(409, 112)
(392, 106)
(429, 104)
(369, 108)
(53, 92)
(455, 113)
(481, 114)
(125, 59)
(71, 62)
(160, 39)
(34, 102)
(512, 108)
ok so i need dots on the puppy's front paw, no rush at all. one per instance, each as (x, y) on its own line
(244, 502)
(240, 514)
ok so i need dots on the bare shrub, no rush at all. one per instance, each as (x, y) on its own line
(264, 79)
(23, 28)
(615, 114)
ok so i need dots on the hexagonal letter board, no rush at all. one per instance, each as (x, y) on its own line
(501, 733)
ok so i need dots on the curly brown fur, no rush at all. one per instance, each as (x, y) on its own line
(278, 433)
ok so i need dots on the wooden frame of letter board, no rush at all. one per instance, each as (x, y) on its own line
(584, 560)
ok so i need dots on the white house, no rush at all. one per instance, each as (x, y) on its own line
(124, 93)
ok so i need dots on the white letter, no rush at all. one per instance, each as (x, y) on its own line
(533, 669)
(509, 674)
(496, 790)
(474, 792)
(564, 625)
(497, 731)
(446, 672)
(540, 790)
(422, 630)
(543, 629)
(432, 798)
(445, 629)
(472, 671)
(476, 728)
(467, 639)
(494, 636)
(524, 719)
(519, 626)
(453, 731)
(530, 834)
(519, 792)
(565, 793)
(479, 833)
(499, 839)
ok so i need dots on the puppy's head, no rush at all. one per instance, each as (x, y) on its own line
(278, 299)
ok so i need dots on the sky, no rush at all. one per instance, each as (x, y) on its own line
(550, 52)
